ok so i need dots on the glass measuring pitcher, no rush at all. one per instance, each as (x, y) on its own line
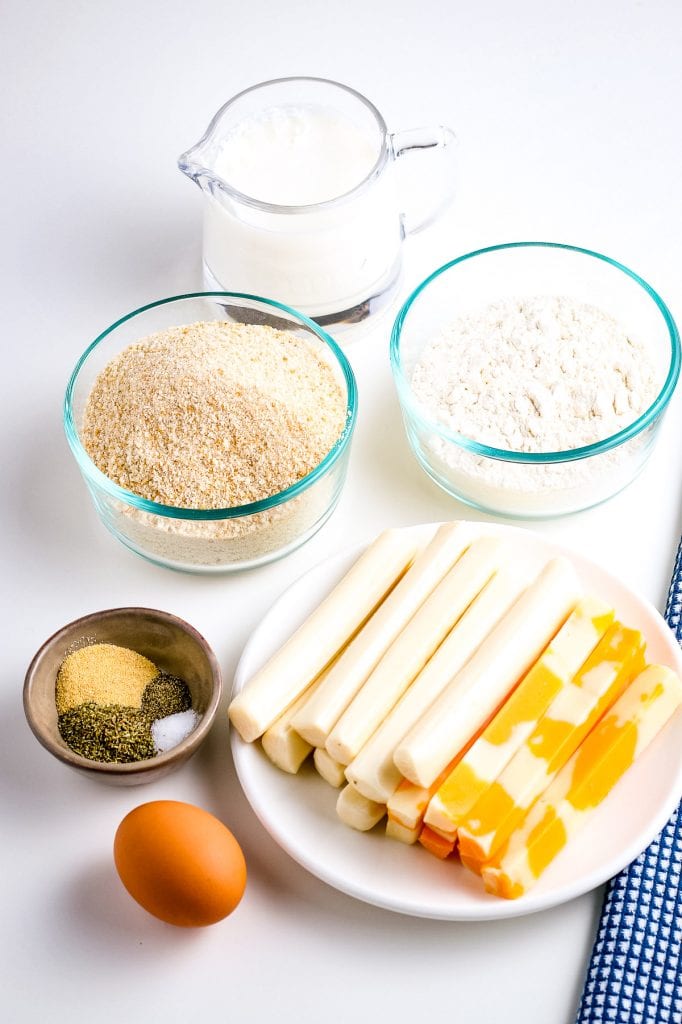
(302, 197)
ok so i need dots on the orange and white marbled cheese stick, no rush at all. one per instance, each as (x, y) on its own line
(616, 659)
(585, 781)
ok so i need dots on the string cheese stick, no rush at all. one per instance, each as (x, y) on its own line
(282, 744)
(330, 770)
(586, 780)
(394, 830)
(284, 747)
(305, 654)
(318, 716)
(373, 771)
(406, 657)
(519, 715)
(356, 811)
(480, 687)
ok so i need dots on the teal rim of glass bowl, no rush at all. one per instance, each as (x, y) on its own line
(95, 475)
(537, 458)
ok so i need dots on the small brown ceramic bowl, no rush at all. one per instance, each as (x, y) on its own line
(172, 644)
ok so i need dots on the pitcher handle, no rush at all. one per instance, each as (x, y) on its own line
(442, 141)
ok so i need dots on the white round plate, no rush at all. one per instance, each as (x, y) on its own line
(299, 810)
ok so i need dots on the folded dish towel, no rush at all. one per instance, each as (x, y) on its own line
(634, 975)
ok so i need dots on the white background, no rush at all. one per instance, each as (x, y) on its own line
(568, 122)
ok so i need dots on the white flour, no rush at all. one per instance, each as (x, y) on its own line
(540, 374)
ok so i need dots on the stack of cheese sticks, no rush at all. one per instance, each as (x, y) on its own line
(477, 710)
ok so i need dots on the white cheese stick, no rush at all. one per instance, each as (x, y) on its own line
(373, 771)
(330, 770)
(406, 657)
(319, 715)
(282, 744)
(305, 654)
(394, 830)
(356, 811)
(284, 747)
(480, 687)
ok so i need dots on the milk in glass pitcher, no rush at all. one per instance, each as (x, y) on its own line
(302, 197)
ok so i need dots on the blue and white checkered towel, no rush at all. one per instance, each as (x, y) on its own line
(634, 975)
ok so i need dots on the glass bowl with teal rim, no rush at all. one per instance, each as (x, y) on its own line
(482, 471)
(213, 540)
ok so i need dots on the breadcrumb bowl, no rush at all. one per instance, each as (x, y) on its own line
(528, 480)
(170, 642)
(178, 532)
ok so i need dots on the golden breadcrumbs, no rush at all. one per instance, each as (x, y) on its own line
(213, 414)
(103, 674)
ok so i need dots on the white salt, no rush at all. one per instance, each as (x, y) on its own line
(168, 732)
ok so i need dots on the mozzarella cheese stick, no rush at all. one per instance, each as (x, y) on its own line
(517, 717)
(357, 811)
(305, 654)
(394, 830)
(646, 706)
(317, 717)
(491, 673)
(373, 771)
(413, 647)
(281, 742)
(616, 659)
(436, 844)
(330, 770)
(284, 747)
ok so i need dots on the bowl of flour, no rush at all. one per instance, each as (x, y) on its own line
(533, 376)
(213, 430)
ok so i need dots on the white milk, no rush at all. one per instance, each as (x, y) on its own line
(317, 259)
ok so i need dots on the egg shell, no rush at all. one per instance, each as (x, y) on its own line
(180, 863)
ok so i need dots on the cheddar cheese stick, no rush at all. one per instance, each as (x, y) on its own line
(615, 660)
(318, 716)
(356, 811)
(480, 687)
(373, 771)
(517, 717)
(435, 843)
(305, 654)
(406, 657)
(585, 780)
(330, 770)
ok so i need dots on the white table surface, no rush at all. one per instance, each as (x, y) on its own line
(567, 116)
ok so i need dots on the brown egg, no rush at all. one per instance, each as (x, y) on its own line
(180, 863)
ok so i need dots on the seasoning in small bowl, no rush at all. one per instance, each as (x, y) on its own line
(124, 695)
(116, 705)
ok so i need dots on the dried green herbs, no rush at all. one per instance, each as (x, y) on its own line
(108, 732)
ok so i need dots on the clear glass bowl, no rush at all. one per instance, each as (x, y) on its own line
(212, 540)
(532, 484)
